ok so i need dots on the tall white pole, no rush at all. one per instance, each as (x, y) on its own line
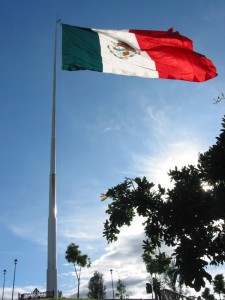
(52, 221)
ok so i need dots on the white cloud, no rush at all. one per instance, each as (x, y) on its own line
(124, 258)
(115, 128)
(26, 231)
(156, 167)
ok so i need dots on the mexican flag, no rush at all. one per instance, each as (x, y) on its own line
(143, 53)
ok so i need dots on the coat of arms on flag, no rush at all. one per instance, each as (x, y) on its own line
(122, 50)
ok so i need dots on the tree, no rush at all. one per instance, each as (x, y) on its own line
(60, 294)
(121, 289)
(219, 284)
(219, 99)
(172, 281)
(189, 218)
(74, 256)
(97, 289)
(159, 264)
(36, 292)
(207, 295)
(165, 276)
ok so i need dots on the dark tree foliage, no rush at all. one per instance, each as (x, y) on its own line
(60, 294)
(97, 289)
(219, 284)
(189, 217)
(170, 278)
(120, 289)
(207, 295)
(74, 256)
(36, 291)
(172, 281)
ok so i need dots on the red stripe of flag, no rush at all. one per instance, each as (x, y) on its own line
(174, 56)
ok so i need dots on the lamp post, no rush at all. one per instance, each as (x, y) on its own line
(3, 288)
(15, 262)
(112, 282)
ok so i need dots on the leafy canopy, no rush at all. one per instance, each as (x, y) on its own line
(74, 256)
(189, 218)
(120, 289)
(219, 284)
(97, 289)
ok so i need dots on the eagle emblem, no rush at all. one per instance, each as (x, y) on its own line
(122, 50)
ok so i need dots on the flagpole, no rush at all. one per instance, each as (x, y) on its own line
(52, 220)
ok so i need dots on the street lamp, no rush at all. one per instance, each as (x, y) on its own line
(112, 282)
(15, 262)
(3, 288)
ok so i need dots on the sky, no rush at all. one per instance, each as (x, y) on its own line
(108, 127)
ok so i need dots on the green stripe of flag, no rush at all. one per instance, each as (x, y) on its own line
(80, 49)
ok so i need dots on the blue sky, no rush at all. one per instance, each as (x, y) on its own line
(108, 127)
